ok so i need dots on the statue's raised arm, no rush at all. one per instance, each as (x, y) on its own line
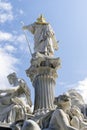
(44, 38)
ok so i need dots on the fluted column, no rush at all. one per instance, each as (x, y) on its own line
(43, 75)
(44, 93)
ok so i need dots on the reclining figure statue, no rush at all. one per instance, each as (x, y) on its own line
(66, 117)
(63, 118)
(60, 118)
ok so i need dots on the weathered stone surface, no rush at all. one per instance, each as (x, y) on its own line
(76, 98)
(43, 65)
(43, 69)
(43, 73)
(75, 117)
(44, 37)
(5, 126)
(61, 113)
(30, 125)
(12, 106)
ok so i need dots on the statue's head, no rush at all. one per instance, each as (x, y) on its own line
(63, 101)
(12, 78)
(41, 20)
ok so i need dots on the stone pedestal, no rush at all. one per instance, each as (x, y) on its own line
(43, 73)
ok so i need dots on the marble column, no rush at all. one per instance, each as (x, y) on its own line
(44, 93)
(43, 76)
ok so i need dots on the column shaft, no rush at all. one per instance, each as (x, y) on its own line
(44, 93)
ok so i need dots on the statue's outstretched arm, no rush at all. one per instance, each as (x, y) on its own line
(8, 90)
(30, 28)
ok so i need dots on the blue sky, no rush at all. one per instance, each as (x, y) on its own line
(69, 21)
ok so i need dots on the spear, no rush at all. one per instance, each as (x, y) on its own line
(26, 39)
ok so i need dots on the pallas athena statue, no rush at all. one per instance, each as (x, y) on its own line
(44, 38)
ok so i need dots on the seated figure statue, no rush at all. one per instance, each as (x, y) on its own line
(15, 102)
(75, 117)
(60, 118)
(63, 118)
(78, 120)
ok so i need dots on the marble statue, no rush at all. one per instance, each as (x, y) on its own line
(23, 89)
(61, 113)
(25, 125)
(73, 114)
(78, 120)
(60, 118)
(42, 70)
(12, 106)
(63, 102)
(30, 125)
(59, 121)
(44, 37)
(76, 98)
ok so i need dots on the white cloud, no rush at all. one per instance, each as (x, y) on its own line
(15, 39)
(7, 65)
(4, 36)
(6, 17)
(20, 38)
(6, 13)
(10, 44)
(5, 6)
(9, 48)
(81, 87)
(8, 61)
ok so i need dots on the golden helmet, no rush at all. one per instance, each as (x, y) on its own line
(41, 20)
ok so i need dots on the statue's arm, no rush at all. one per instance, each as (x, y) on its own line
(8, 90)
(30, 28)
(26, 90)
(28, 95)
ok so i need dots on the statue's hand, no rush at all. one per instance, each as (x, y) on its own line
(24, 27)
